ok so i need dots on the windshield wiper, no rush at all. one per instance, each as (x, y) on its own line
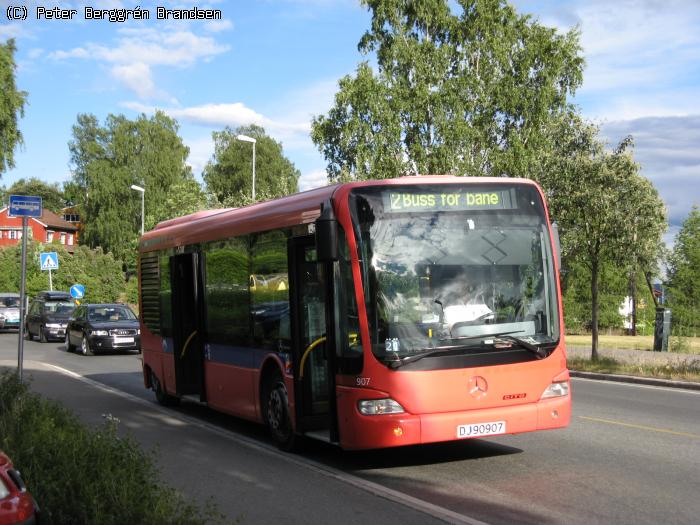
(446, 350)
(539, 351)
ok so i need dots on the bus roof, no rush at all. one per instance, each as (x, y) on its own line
(299, 208)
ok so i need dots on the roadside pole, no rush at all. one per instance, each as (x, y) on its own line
(23, 206)
(22, 300)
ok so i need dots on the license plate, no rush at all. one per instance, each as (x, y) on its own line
(491, 428)
(123, 339)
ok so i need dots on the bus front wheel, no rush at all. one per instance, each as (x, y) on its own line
(277, 413)
(162, 397)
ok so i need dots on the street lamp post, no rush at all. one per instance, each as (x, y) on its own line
(246, 138)
(143, 192)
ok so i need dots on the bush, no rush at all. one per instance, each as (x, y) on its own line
(100, 272)
(79, 475)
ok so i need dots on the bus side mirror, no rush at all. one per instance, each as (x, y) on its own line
(327, 234)
(557, 243)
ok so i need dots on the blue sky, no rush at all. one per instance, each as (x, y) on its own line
(276, 63)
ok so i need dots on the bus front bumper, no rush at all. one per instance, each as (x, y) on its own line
(358, 431)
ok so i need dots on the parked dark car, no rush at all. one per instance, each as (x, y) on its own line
(48, 316)
(9, 311)
(103, 328)
(17, 506)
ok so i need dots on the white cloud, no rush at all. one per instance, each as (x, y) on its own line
(233, 114)
(138, 50)
(313, 179)
(201, 151)
(151, 47)
(138, 78)
(635, 50)
(666, 148)
(12, 30)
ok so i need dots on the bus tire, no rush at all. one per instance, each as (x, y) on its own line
(162, 396)
(276, 412)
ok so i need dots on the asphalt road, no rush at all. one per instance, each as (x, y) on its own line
(631, 455)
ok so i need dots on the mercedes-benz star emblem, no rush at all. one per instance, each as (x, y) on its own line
(478, 387)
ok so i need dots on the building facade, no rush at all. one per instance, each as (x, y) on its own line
(47, 229)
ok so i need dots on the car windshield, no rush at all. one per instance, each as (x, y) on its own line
(9, 302)
(59, 307)
(437, 273)
(111, 313)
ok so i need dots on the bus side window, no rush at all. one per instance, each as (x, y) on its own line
(227, 291)
(269, 299)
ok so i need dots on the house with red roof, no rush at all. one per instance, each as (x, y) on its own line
(47, 229)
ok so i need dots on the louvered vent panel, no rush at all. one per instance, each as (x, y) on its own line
(150, 288)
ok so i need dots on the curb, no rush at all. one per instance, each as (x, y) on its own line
(652, 381)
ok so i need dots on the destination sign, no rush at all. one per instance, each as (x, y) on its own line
(450, 200)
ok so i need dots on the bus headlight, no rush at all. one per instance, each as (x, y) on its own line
(556, 390)
(377, 407)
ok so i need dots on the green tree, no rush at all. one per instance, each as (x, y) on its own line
(229, 178)
(52, 197)
(467, 93)
(607, 212)
(12, 104)
(684, 275)
(107, 159)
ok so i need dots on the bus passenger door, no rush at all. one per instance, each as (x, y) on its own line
(188, 350)
(313, 381)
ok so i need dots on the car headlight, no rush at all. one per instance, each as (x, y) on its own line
(138, 331)
(53, 325)
(377, 407)
(100, 332)
(558, 389)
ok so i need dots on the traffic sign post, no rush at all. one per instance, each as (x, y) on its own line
(77, 291)
(49, 261)
(23, 206)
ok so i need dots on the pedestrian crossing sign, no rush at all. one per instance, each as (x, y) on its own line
(49, 261)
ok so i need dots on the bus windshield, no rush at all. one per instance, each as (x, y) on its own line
(452, 266)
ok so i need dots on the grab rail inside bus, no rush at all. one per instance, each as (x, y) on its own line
(184, 347)
(306, 354)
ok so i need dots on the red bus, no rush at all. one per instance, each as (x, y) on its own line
(367, 314)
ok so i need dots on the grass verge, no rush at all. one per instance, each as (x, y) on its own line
(606, 365)
(684, 345)
(83, 476)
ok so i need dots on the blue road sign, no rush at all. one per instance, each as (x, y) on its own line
(77, 291)
(49, 261)
(24, 206)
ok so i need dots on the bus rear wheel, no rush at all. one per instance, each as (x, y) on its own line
(276, 411)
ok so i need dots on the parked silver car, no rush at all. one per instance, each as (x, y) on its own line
(9, 311)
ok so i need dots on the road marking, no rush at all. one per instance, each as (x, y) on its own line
(375, 489)
(640, 427)
(637, 385)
